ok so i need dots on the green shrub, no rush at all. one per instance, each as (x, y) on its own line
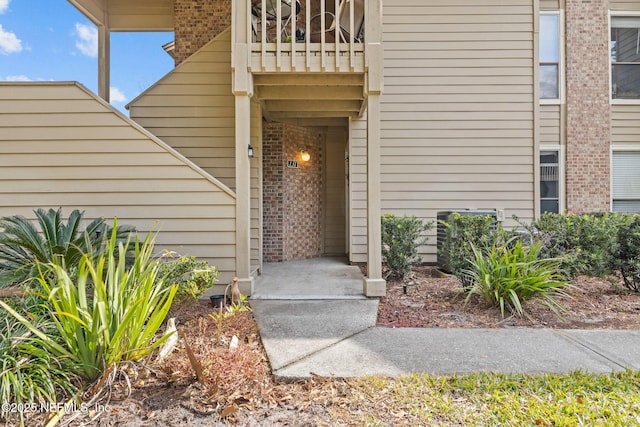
(402, 236)
(23, 245)
(507, 276)
(107, 312)
(587, 244)
(462, 233)
(628, 254)
(192, 277)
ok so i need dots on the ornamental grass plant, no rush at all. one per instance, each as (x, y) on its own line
(106, 312)
(506, 276)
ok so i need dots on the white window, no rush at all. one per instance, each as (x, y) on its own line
(549, 56)
(626, 181)
(625, 57)
(550, 181)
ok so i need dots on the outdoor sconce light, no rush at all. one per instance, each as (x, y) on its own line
(250, 151)
(305, 156)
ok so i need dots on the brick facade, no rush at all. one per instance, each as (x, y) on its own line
(196, 23)
(588, 109)
(292, 197)
(273, 192)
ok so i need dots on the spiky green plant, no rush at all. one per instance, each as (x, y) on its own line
(507, 276)
(28, 373)
(107, 312)
(23, 245)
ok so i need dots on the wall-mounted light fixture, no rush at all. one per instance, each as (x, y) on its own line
(250, 151)
(305, 156)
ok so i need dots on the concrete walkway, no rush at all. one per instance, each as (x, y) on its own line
(338, 337)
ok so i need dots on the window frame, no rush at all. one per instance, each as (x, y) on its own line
(613, 100)
(561, 62)
(620, 149)
(561, 175)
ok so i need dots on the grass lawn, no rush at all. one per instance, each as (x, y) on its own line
(505, 400)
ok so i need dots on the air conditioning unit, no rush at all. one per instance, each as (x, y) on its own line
(443, 259)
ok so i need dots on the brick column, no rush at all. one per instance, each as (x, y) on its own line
(273, 192)
(197, 22)
(588, 107)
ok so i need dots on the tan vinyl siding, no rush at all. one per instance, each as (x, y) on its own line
(358, 190)
(334, 199)
(256, 186)
(624, 5)
(625, 125)
(457, 112)
(550, 116)
(551, 4)
(85, 155)
(192, 109)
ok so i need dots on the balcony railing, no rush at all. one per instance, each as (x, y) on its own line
(306, 35)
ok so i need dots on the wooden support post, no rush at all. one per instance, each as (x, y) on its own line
(374, 284)
(104, 56)
(243, 91)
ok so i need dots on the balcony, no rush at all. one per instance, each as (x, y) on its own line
(317, 36)
(310, 62)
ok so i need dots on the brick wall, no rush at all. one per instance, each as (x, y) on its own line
(197, 22)
(303, 195)
(273, 192)
(588, 109)
(292, 197)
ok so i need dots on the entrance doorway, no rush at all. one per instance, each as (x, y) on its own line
(304, 208)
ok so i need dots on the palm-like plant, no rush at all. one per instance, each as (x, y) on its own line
(22, 244)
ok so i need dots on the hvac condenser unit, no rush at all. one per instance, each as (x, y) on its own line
(443, 258)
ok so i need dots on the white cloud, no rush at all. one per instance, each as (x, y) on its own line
(116, 95)
(9, 43)
(87, 42)
(18, 78)
(4, 5)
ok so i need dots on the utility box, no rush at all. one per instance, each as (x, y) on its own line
(441, 233)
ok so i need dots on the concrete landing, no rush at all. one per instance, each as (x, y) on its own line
(312, 279)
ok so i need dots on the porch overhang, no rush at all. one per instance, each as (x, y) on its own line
(128, 15)
(122, 15)
(311, 99)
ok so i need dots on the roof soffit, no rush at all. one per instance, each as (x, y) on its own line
(128, 15)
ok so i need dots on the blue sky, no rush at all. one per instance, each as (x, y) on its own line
(49, 40)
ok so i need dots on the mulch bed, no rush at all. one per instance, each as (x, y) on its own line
(434, 300)
(237, 387)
